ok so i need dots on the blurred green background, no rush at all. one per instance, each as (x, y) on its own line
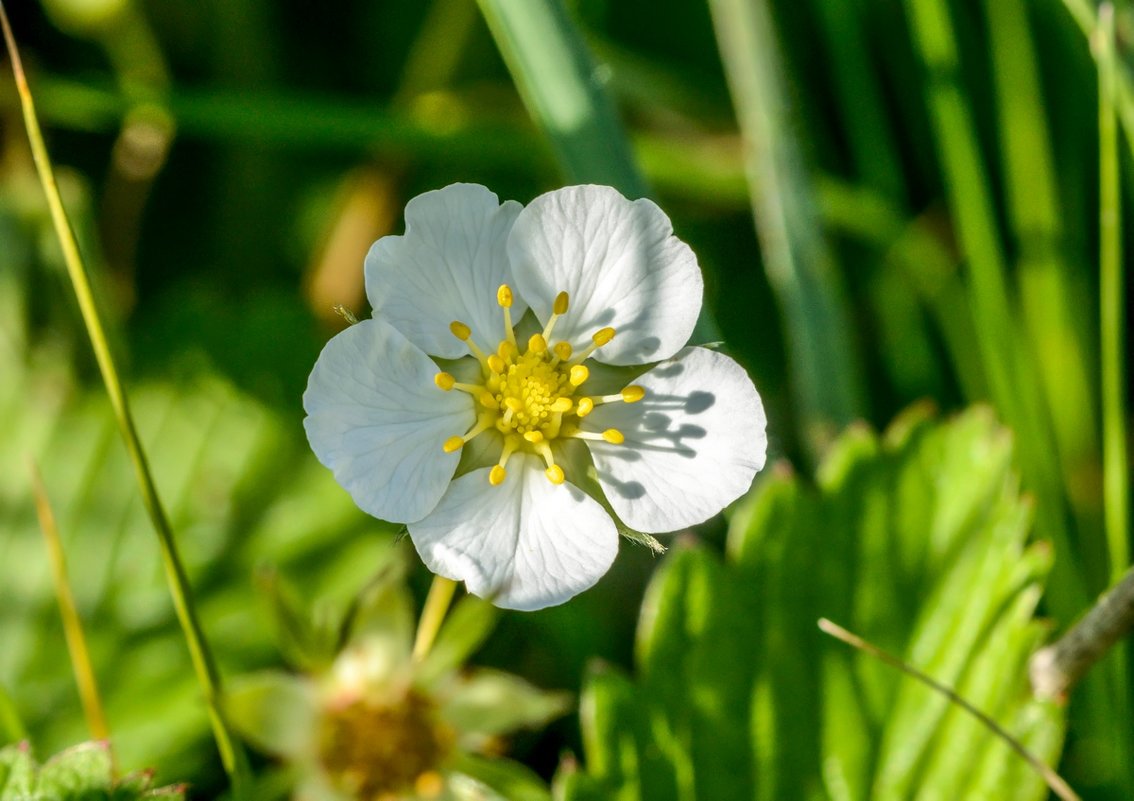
(924, 176)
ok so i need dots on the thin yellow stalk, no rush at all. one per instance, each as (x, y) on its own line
(1054, 781)
(436, 605)
(72, 623)
(231, 754)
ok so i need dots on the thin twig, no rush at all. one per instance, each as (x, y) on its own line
(1054, 670)
(72, 624)
(1054, 781)
(232, 755)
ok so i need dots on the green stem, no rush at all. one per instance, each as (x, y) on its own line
(1116, 480)
(432, 615)
(11, 727)
(231, 754)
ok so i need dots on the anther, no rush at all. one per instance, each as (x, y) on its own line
(560, 306)
(537, 344)
(613, 436)
(603, 336)
(453, 443)
(497, 475)
(488, 400)
(586, 406)
(504, 298)
(633, 394)
(562, 352)
(561, 405)
(533, 436)
(496, 364)
(579, 374)
(514, 404)
(444, 381)
(507, 349)
(554, 474)
(464, 333)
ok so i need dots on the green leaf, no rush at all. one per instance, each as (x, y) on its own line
(276, 712)
(491, 702)
(917, 540)
(511, 780)
(84, 771)
(465, 629)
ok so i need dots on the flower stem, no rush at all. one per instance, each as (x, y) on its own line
(232, 756)
(72, 623)
(436, 605)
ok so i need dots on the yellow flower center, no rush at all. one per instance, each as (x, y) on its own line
(380, 749)
(532, 397)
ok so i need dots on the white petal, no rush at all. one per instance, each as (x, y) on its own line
(447, 266)
(376, 418)
(620, 264)
(692, 444)
(524, 544)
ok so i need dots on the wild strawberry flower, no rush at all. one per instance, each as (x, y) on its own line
(523, 378)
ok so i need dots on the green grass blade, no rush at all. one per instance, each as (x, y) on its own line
(561, 88)
(180, 590)
(800, 267)
(1052, 296)
(1011, 378)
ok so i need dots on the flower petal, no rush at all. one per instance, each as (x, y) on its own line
(524, 544)
(376, 418)
(693, 443)
(619, 262)
(447, 266)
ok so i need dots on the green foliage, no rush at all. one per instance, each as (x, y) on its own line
(916, 540)
(82, 773)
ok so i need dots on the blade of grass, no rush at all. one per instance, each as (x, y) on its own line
(72, 624)
(562, 89)
(799, 265)
(231, 753)
(1013, 385)
(1112, 300)
(1053, 302)
(11, 727)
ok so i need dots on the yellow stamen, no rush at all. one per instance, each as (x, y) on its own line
(533, 436)
(586, 406)
(514, 404)
(633, 394)
(483, 423)
(561, 405)
(579, 374)
(561, 302)
(537, 344)
(464, 333)
(600, 338)
(558, 309)
(488, 400)
(508, 349)
(496, 364)
(504, 298)
(444, 381)
(613, 436)
(497, 475)
(562, 353)
(603, 336)
(544, 450)
(554, 474)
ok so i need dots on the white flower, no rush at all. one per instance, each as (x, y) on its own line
(610, 291)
